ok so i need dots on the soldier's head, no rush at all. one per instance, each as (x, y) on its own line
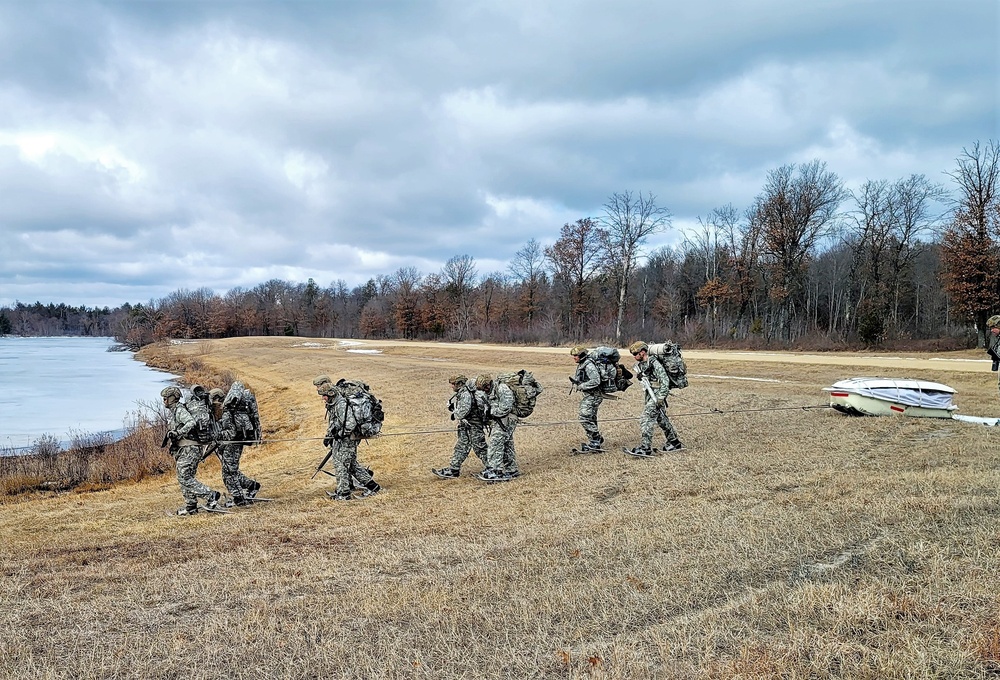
(327, 390)
(199, 393)
(484, 382)
(579, 353)
(216, 396)
(457, 382)
(993, 323)
(639, 350)
(171, 395)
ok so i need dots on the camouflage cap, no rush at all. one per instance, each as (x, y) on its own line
(170, 392)
(483, 381)
(993, 321)
(578, 351)
(199, 391)
(327, 389)
(320, 379)
(215, 394)
(637, 347)
(458, 379)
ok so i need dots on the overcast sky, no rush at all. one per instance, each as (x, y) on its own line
(151, 146)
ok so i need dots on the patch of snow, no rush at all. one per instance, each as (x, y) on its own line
(345, 343)
(365, 351)
(734, 377)
(310, 344)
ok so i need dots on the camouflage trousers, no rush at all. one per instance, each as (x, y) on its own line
(589, 405)
(500, 453)
(345, 465)
(236, 482)
(470, 437)
(650, 416)
(188, 458)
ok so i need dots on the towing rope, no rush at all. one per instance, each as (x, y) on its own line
(550, 423)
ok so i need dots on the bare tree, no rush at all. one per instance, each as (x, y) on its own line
(796, 210)
(527, 267)
(460, 275)
(629, 220)
(970, 242)
(575, 261)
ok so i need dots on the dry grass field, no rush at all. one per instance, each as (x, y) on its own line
(791, 543)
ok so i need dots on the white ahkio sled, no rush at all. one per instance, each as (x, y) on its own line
(892, 397)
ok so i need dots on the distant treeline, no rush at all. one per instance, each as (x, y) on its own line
(807, 264)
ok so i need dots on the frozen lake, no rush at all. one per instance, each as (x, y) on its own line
(66, 386)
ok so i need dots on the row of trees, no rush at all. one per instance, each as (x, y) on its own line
(808, 262)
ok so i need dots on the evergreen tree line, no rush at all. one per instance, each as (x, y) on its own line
(807, 264)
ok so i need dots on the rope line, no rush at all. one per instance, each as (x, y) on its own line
(551, 423)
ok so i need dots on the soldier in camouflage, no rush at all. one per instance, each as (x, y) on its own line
(342, 440)
(229, 421)
(182, 433)
(468, 408)
(588, 380)
(319, 381)
(993, 342)
(654, 411)
(501, 457)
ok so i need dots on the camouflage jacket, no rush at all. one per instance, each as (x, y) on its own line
(468, 404)
(180, 420)
(588, 376)
(501, 401)
(652, 369)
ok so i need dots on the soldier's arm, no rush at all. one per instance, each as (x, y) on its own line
(660, 375)
(593, 377)
(502, 402)
(463, 404)
(185, 422)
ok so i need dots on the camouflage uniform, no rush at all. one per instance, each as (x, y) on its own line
(230, 450)
(320, 382)
(588, 381)
(652, 413)
(500, 454)
(993, 340)
(187, 452)
(342, 438)
(467, 406)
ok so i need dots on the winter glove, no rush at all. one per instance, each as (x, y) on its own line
(327, 442)
(453, 416)
(172, 435)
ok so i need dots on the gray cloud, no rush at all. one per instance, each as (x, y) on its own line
(146, 147)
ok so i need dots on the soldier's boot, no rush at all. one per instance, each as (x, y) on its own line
(190, 509)
(371, 488)
(339, 496)
(252, 489)
(642, 450)
(674, 445)
(238, 501)
(446, 473)
(213, 499)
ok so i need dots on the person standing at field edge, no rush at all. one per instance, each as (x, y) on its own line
(654, 409)
(993, 342)
(182, 433)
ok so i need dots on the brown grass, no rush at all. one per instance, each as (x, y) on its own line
(791, 544)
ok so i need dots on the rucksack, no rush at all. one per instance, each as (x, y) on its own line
(246, 417)
(614, 376)
(197, 405)
(364, 414)
(669, 355)
(526, 390)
